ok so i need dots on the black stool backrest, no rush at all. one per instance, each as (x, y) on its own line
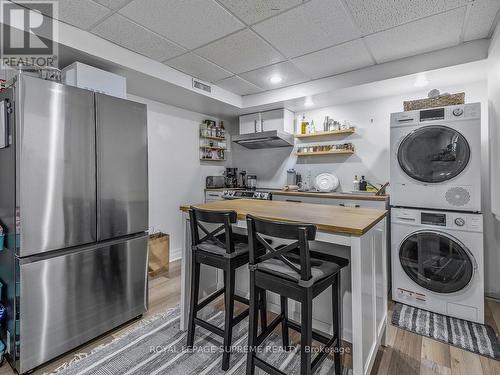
(198, 216)
(300, 233)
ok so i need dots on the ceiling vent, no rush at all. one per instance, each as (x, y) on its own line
(201, 86)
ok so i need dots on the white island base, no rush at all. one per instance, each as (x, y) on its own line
(364, 290)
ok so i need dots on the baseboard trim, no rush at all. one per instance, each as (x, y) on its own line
(175, 254)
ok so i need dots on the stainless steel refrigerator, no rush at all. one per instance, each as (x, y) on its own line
(74, 206)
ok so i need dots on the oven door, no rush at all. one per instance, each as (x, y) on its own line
(436, 261)
(433, 154)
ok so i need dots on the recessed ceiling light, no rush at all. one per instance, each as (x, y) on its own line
(308, 102)
(421, 80)
(275, 79)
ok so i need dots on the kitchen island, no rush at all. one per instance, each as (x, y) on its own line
(358, 234)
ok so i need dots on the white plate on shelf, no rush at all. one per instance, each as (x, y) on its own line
(326, 182)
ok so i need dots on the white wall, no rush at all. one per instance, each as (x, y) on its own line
(176, 175)
(492, 223)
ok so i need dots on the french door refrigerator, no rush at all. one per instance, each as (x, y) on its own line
(74, 207)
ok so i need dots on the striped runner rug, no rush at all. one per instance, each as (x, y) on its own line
(156, 347)
(473, 337)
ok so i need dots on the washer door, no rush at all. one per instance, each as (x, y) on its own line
(436, 262)
(433, 154)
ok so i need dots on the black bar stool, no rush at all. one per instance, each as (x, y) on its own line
(298, 272)
(225, 250)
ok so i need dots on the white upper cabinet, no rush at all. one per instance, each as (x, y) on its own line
(277, 119)
(250, 123)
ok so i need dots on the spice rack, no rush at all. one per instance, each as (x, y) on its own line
(213, 144)
(344, 149)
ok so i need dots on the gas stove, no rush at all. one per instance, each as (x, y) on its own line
(247, 194)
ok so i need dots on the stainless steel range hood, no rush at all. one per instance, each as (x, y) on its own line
(266, 139)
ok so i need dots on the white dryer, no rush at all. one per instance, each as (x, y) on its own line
(437, 261)
(436, 158)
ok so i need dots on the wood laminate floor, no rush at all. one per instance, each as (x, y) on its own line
(407, 353)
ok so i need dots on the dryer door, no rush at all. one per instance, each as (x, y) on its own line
(433, 154)
(436, 261)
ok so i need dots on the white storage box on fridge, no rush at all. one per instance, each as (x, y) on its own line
(94, 79)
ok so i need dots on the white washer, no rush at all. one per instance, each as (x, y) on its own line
(437, 261)
(436, 158)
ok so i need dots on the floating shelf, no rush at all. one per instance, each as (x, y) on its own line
(208, 159)
(215, 138)
(214, 148)
(332, 152)
(325, 134)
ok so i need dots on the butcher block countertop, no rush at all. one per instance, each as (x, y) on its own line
(316, 194)
(332, 219)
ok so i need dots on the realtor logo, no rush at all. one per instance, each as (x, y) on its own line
(28, 34)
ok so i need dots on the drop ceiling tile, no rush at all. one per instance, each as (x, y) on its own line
(257, 10)
(128, 34)
(238, 86)
(286, 70)
(240, 52)
(375, 15)
(198, 67)
(425, 35)
(335, 60)
(481, 17)
(191, 23)
(310, 27)
(80, 13)
(113, 4)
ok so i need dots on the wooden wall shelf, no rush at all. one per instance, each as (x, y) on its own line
(325, 134)
(215, 138)
(332, 152)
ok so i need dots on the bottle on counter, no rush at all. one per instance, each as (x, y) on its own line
(355, 184)
(363, 184)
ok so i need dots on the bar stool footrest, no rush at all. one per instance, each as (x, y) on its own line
(322, 355)
(240, 317)
(241, 299)
(271, 327)
(316, 335)
(209, 326)
(267, 367)
(210, 298)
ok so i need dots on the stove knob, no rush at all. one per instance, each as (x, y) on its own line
(459, 222)
(458, 112)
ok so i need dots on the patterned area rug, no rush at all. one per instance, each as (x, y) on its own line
(473, 337)
(157, 347)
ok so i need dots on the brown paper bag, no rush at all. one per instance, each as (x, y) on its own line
(159, 247)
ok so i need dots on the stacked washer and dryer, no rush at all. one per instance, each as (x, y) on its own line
(436, 221)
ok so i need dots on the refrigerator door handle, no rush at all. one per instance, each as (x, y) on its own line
(5, 110)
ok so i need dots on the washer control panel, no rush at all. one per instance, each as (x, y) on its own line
(438, 219)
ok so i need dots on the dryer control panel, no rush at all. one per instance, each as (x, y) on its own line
(438, 219)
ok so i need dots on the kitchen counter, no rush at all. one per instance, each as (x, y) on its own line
(316, 194)
(330, 219)
(358, 234)
(333, 195)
